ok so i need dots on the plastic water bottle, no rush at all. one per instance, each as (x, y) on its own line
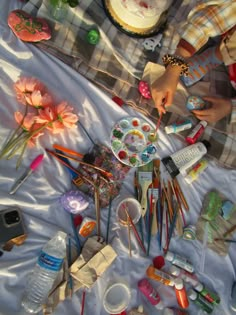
(44, 274)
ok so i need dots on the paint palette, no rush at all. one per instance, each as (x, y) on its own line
(133, 141)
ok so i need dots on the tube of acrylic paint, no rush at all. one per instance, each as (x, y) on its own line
(183, 159)
(181, 294)
(173, 311)
(179, 261)
(151, 294)
(208, 295)
(196, 132)
(233, 298)
(159, 276)
(178, 126)
(200, 301)
(196, 170)
(183, 274)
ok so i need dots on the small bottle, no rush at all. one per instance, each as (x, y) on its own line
(44, 274)
(200, 301)
(151, 294)
(178, 126)
(196, 170)
(181, 294)
(189, 233)
(208, 295)
(160, 276)
(173, 311)
(184, 275)
(233, 298)
(196, 132)
(179, 261)
(183, 159)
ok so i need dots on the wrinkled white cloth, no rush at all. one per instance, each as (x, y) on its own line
(39, 195)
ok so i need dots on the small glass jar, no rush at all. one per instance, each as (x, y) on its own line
(58, 9)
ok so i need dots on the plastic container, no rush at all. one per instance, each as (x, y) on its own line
(151, 294)
(200, 301)
(208, 295)
(44, 274)
(116, 298)
(159, 276)
(189, 233)
(181, 294)
(184, 275)
(182, 160)
(132, 206)
(196, 170)
(179, 261)
(196, 133)
(178, 126)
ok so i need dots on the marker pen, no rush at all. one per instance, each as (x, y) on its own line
(196, 132)
(178, 126)
(181, 294)
(183, 274)
(26, 174)
(183, 159)
(208, 295)
(179, 261)
(151, 294)
(200, 301)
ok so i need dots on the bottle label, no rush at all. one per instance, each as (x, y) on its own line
(49, 262)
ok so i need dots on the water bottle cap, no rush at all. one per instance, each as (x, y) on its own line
(169, 256)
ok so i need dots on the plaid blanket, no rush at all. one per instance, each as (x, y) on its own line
(116, 64)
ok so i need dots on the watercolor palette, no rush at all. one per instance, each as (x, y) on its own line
(133, 141)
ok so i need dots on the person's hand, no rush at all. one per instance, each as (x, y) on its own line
(163, 89)
(220, 107)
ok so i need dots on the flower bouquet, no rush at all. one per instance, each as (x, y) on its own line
(40, 114)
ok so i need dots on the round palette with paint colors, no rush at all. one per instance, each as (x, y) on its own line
(133, 141)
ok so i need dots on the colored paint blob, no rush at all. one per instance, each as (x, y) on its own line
(133, 160)
(146, 128)
(135, 141)
(116, 144)
(122, 155)
(135, 122)
(124, 124)
(118, 134)
(152, 136)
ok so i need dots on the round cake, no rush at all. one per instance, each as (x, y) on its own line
(138, 17)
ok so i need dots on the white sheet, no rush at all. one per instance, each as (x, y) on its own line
(39, 196)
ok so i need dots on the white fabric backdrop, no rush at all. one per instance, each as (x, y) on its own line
(39, 196)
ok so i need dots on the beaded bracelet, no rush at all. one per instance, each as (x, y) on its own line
(175, 60)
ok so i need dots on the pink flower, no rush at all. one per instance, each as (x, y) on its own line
(65, 115)
(38, 100)
(47, 114)
(25, 86)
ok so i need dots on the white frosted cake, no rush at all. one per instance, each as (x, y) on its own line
(140, 17)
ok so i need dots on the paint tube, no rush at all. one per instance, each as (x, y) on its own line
(182, 160)
(178, 126)
(160, 276)
(196, 132)
(179, 261)
(208, 295)
(196, 170)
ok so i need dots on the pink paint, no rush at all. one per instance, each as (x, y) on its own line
(151, 294)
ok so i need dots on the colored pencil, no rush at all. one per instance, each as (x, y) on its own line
(225, 240)
(83, 303)
(180, 193)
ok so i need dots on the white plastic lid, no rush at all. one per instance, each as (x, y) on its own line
(116, 298)
(204, 123)
(198, 287)
(179, 284)
(168, 311)
(169, 256)
(174, 270)
(192, 294)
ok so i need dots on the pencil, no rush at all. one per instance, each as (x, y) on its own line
(180, 193)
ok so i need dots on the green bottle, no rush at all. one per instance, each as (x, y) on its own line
(198, 299)
(208, 295)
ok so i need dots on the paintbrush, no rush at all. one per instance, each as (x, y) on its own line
(154, 134)
(172, 227)
(70, 263)
(145, 181)
(137, 191)
(224, 240)
(180, 193)
(232, 229)
(129, 237)
(83, 303)
(135, 231)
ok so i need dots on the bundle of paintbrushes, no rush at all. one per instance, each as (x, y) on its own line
(163, 205)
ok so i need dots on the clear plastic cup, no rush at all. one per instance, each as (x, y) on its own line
(116, 298)
(132, 206)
